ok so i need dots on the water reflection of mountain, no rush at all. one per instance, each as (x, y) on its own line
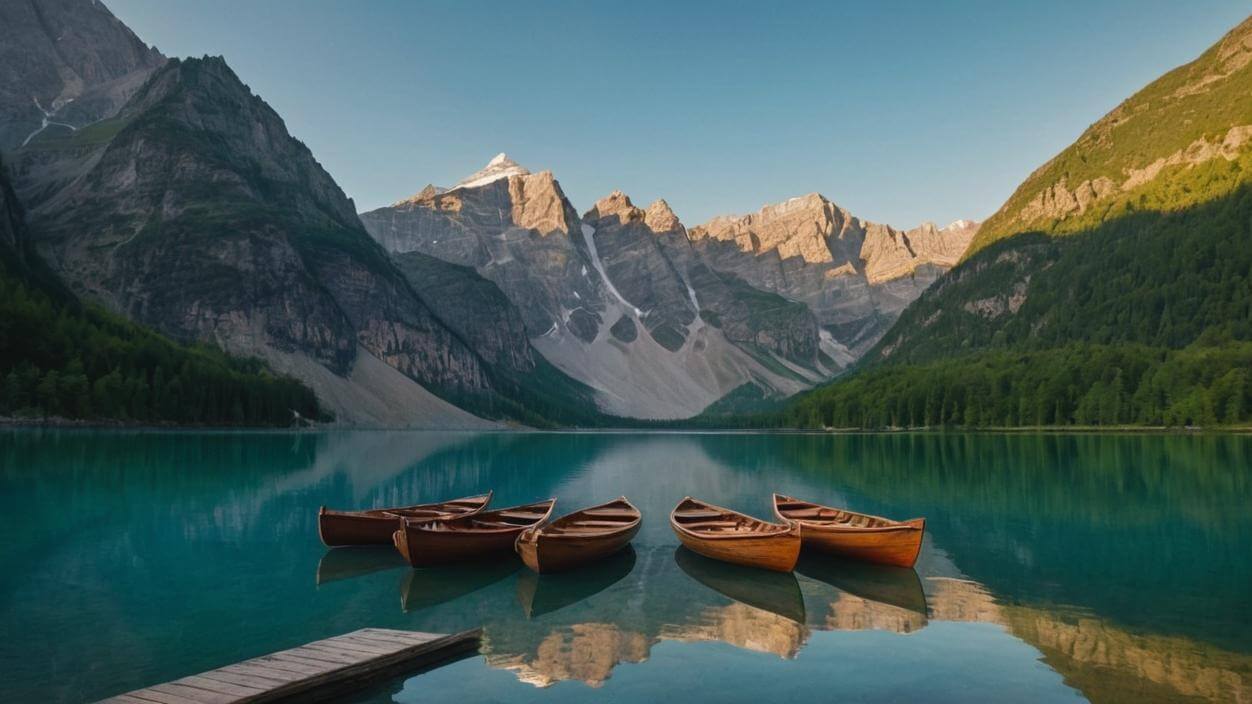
(666, 595)
(1106, 663)
(1138, 529)
(663, 599)
(1122, 561)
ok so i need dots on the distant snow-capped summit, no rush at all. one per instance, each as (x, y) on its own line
(501, 166)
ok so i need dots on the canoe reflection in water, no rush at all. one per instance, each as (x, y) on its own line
(896, 586)
(423, 588)
(847, 595)
(776, 592)
(541, 594)
(346, 563)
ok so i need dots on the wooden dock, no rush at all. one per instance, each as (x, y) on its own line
(314, 672)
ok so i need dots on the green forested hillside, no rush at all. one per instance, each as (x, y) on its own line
(1082, 384)
(58, 358)
(1140, 315)
(61, 358)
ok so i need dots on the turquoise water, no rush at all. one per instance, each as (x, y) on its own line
(1056, 568)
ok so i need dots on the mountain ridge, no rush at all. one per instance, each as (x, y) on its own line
(1126, 303)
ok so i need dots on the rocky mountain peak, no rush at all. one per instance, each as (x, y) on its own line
(500, 166)
(614, 204)
(661, 218)
(796, 227)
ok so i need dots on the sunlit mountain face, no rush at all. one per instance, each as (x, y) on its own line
(1055, 568)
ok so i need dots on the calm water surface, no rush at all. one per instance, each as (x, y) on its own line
(1055, 568)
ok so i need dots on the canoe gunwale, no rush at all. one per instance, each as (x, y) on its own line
(429, 526)
(343, 529)
(832, 527)
(392, 512)
(769, 529)
(537, 533)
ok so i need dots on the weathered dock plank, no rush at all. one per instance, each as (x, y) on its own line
(313, 672)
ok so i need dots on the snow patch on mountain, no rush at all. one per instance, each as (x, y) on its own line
(500, 166)
(589, 235)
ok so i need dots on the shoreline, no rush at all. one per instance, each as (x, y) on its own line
(59, 423)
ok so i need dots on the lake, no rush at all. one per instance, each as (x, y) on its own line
(1056, 568)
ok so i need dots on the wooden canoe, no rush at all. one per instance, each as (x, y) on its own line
(481, 535)
(580, 537)
(730, 536)
(375, 526)
(858, 536)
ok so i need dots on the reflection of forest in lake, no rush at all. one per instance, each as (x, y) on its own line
(1124, 562)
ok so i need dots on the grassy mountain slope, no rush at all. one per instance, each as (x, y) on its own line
(1138, 156)
(1140, 314)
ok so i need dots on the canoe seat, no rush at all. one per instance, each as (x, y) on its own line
(712, 524)
(802, 513)
(529, 516)
(698, 514)
(609, 513)
(496, 524)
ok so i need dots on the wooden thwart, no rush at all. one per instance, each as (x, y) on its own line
(318, 670)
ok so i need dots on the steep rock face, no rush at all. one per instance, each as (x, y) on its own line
(194, 211)
(609, 300)
(10, 216)
(64, 64)
(634, 260)
(649, 258)
(473, 307)
(516, 229)
(855, 276)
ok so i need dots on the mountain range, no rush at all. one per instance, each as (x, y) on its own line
(662, 321)
(163, 194)
(1112, 288)
(167, 192)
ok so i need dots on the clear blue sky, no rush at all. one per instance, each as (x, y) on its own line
(899, 111)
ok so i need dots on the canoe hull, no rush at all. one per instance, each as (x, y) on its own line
(771, 552)
(481, 536)
(894, 546)
(547, 554)
(374, 527)
(423, 548)
(341, 530)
